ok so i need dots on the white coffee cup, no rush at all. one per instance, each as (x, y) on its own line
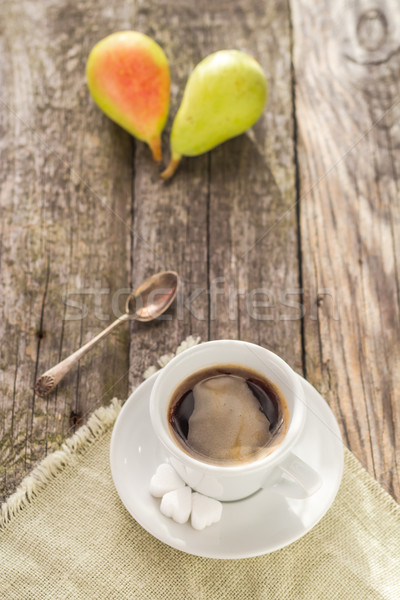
(281, 470)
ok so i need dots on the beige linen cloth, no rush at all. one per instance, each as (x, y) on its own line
(66, 535)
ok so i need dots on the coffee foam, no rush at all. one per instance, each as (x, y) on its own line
(226, 422)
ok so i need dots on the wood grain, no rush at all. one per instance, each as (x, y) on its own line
(212, 221)
(169, 227)
(253, 243)
(65, 223)
(347, 65)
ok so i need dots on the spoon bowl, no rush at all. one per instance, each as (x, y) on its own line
(153, 297)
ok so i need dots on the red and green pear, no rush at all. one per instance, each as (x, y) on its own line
(128, 77)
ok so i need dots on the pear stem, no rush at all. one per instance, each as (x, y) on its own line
(170, 170)
(155, 146)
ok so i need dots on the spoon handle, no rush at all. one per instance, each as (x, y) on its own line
(48, 381)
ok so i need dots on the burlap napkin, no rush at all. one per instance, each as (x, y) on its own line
(65, 534)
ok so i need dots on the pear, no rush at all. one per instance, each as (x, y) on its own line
(127, 74)
(225, 95)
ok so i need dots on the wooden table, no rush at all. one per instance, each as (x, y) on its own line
(287, 236)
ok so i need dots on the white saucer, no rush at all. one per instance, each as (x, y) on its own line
(257, 525)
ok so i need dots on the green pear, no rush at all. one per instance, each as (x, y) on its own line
(224, 96)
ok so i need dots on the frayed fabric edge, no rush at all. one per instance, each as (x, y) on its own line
(98, 423)
(191, 340)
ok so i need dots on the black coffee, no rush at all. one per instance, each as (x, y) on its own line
(228, 415)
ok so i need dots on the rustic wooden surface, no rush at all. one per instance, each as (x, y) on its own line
(347, 64)
(297, 218)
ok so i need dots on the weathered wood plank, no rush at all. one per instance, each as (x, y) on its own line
(170, 219)
(253, 243)
(347, 65)
(211, 222)
(66, 175)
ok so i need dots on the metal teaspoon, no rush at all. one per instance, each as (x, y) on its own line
(150, 300)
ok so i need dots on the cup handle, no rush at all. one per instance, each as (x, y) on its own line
(298, 479)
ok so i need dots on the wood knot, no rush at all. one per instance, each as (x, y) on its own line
(372, 29)
(75, 419)
(44, 385)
